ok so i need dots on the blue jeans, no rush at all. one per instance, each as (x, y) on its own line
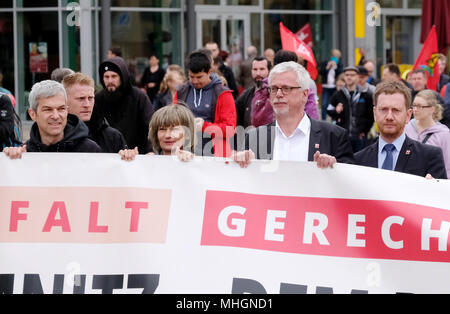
(327, 93)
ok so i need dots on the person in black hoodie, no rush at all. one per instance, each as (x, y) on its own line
(124, 106)
(80, 90)
(7, 137)
(54, 130)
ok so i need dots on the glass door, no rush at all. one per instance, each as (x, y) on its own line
(402, 38)
(230, 31)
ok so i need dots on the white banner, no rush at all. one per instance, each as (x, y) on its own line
(91, 223)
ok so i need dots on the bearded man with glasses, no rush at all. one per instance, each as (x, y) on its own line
(294, 136)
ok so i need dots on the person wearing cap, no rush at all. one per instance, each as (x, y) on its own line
(124, 106)
(351, 108)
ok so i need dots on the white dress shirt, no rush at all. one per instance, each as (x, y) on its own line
(294, 147)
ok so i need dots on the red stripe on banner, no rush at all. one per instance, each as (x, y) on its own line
(371, 229)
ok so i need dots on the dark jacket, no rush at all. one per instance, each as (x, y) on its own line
(130, 114)
(162, 100)
(75, 139)
(244, 107)
(446, 104)
(444, 80)
(357, 118)
(324, 72)
(325, 137)
(373, 81)
(152, 77)
(229, 76)
(415, 158)
(109, 139)
(6, 122)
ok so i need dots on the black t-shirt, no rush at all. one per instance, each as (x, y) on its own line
(153, 77)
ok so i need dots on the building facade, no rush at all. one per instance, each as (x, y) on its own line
(37, 37)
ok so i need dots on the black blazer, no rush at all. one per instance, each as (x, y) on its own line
(325, 137)
(415, 158)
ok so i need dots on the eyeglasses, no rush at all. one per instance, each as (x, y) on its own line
(419, 107)
(286, 90)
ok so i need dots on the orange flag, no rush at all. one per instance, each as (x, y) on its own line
(291, 42)
(428, 59)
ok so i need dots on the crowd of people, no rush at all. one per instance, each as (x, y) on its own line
(269, 110)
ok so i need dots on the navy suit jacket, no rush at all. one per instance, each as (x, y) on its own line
(415, 158)
(325, 137)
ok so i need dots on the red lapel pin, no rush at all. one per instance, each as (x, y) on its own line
(408, 152)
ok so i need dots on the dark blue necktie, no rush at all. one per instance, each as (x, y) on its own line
(389, 161)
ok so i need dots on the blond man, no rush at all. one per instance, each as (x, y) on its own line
(80, 90)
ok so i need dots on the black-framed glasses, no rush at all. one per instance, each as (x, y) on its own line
(286, 90)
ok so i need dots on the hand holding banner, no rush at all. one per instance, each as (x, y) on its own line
(157, 225)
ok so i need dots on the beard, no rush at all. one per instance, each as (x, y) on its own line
(259, 82)
(113, 96)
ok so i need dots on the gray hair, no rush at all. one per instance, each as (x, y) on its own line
(60, 73)
(291, 66)
(45, 89)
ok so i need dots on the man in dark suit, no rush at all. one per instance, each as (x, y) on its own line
(294, 136)
(394, 150)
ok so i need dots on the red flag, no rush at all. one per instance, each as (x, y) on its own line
(305, 34)
(428, 59)
(436, 12)
(291, 42)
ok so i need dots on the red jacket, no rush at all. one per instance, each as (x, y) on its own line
(225, 119)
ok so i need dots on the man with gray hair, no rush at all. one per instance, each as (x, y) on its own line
(59, 74)
(54, 130)
(294, 136)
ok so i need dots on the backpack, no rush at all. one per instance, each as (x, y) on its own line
(15, 139)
